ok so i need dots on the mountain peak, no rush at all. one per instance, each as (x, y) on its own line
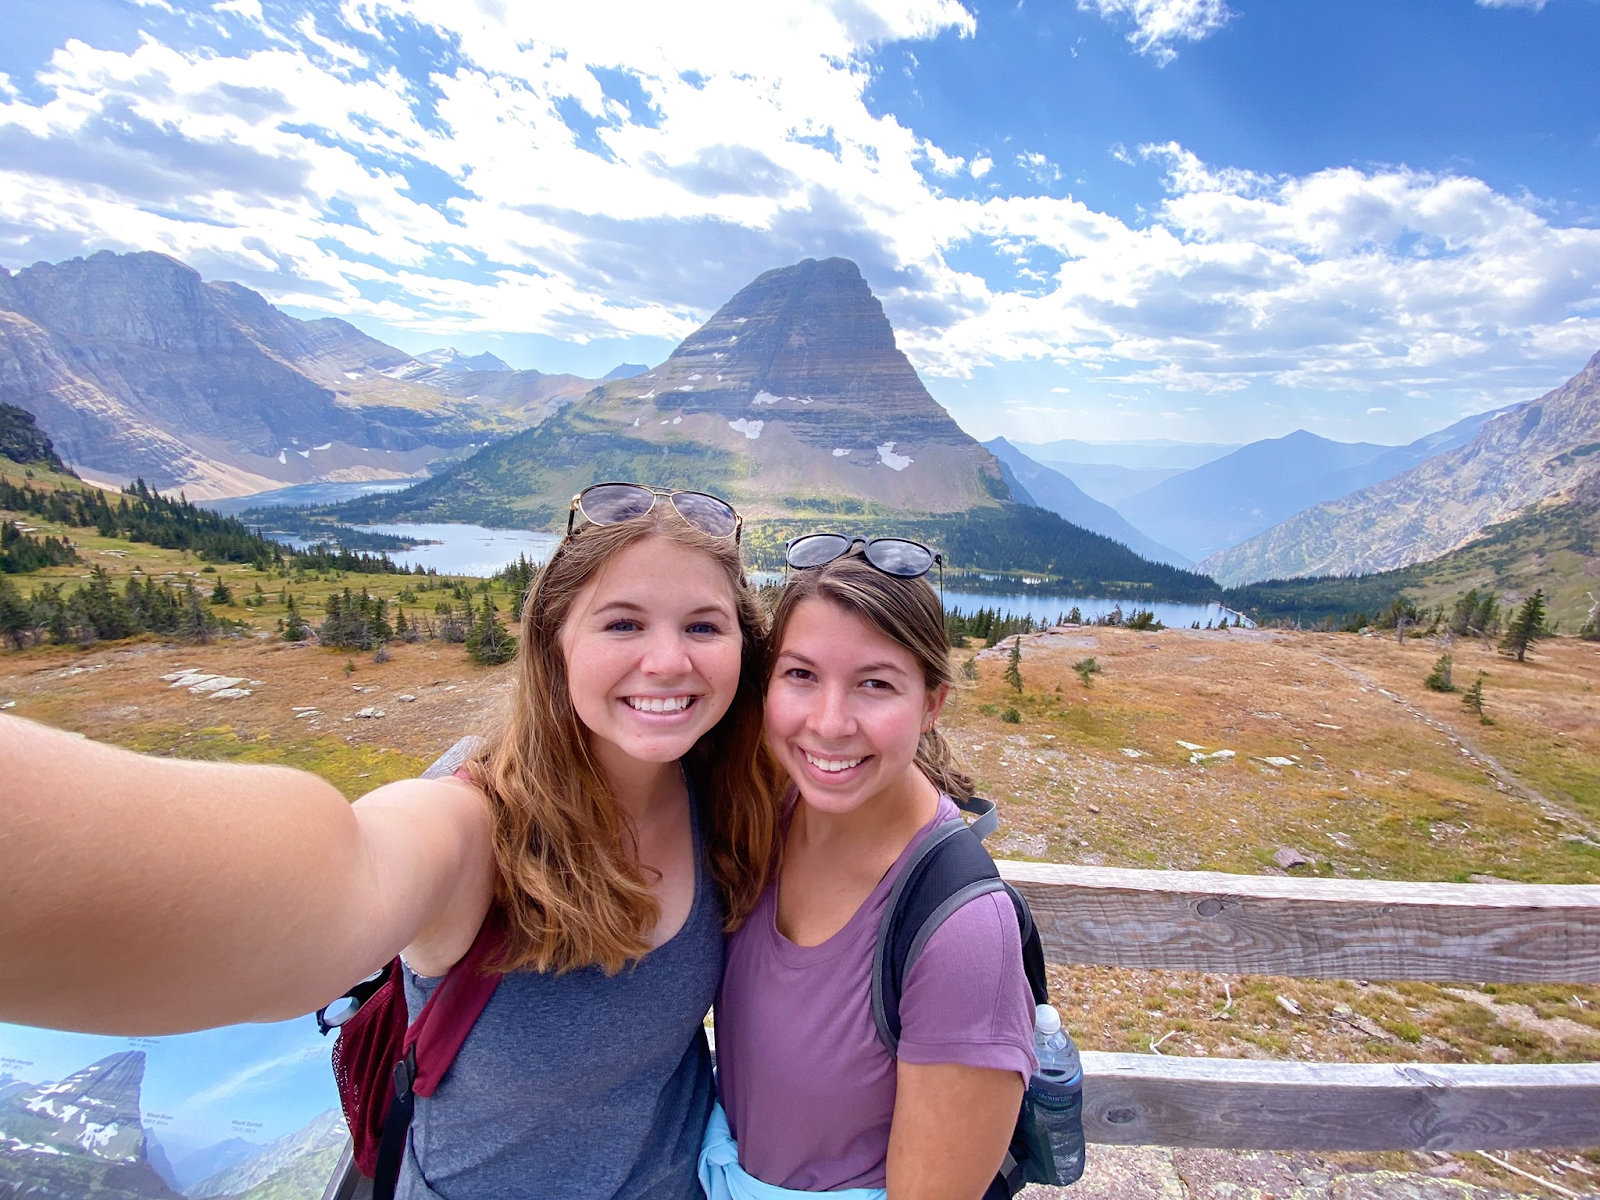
(799, 377)
(451, 359)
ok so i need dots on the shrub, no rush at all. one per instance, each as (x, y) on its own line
(1438, 679)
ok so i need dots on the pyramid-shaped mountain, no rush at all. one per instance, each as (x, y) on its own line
(792, 398)
(799, 380)
(795, 403)
(81, 1136)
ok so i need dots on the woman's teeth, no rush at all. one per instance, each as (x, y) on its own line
(831, 764)
(659, 704)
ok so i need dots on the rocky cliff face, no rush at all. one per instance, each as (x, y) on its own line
(136, 366)
(22, 441)
(82, 1136)
(1545, 451)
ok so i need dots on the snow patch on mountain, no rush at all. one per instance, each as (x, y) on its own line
(895, 462)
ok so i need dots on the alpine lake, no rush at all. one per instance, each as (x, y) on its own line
(478, 551)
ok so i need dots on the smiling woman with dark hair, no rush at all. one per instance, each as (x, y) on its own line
(859, 673)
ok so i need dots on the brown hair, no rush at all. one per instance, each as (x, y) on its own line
(573, 894)
(908, 613)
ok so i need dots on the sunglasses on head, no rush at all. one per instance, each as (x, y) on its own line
(899, 557)
(614, 503)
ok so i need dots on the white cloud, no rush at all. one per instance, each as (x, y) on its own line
(939, 161)
(567, 172)
(1157, 24)
(1533, 5)
(1371, 411)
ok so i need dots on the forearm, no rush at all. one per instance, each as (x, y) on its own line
(154, 895)
(951, 1127)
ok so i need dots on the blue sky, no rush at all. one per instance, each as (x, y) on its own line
(1209, 220)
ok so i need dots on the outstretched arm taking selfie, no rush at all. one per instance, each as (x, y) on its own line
(152, 895)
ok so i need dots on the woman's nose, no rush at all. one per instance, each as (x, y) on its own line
(830, 716)
(666, 654)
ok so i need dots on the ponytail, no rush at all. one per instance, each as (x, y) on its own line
(938, 762)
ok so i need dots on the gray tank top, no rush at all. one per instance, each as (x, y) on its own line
(579, 1086)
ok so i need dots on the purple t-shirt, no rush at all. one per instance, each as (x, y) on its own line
(808, 1087)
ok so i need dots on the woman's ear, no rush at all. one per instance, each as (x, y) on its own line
(935, 706)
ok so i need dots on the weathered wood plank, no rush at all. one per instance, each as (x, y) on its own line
(1153, 1100)
(1328, 928)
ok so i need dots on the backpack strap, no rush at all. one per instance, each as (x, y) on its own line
(947, 870)
(434, 1039)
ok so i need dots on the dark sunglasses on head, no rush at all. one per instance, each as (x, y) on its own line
(900, 557)
(614, 503)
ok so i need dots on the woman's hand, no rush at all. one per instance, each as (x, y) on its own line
(952, 1125)
(152, 895)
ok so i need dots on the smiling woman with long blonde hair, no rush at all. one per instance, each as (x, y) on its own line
(621, 818)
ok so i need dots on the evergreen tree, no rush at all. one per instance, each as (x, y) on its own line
(1472, 698)
(221, 594)
(194, 622)
(294, 625)
(14, 620)
(1013, 674)
(969, 669)
(1075, 617)
(1087, 669)
(1438, 679)
(1526, 628)
(488, 643)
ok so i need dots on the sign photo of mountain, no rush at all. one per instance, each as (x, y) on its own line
(239, 1113)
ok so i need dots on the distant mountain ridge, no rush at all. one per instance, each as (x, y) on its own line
(136, 366)
(1542, 452)
(451, 359)
(1054, 491)
(1230, 499)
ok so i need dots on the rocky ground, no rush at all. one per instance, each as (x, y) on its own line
(1236, 751)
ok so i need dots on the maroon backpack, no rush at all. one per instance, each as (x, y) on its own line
(380, 1064)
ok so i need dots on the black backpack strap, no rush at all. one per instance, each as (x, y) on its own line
(1032, 947)
(396, 1125)
(947, 870)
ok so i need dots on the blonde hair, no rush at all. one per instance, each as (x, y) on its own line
(573, 894)
(908, 613)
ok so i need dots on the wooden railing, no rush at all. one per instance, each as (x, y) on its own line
(1338, 929)
(1312, 928)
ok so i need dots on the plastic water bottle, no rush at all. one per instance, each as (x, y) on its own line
(1056, 1097)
